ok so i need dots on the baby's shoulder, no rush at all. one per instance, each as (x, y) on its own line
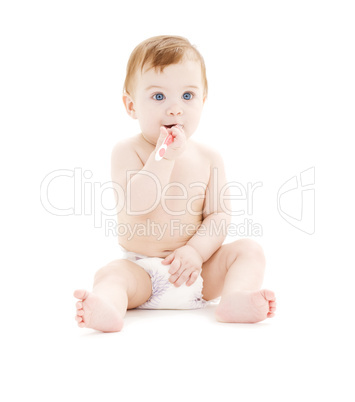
(124, 154)
(125, 145)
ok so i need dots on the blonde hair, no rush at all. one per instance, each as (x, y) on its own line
(159, 52)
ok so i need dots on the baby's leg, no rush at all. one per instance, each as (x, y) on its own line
(118, 286)
(236, 272)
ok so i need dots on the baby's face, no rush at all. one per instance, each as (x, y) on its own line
(174, 96)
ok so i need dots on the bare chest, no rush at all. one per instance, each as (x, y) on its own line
(187, 188)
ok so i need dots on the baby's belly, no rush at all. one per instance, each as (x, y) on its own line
(157, 237)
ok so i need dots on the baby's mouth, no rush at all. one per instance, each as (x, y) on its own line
(173, 125)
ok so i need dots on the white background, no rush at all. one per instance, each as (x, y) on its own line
(281, 101)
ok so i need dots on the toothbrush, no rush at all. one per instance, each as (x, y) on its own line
(164, 146)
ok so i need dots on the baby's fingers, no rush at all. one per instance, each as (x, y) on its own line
(178, 128)
(163, 134)
(192, 278)
(182, 278)
(175, 266)
(169, 259)
(179, 136)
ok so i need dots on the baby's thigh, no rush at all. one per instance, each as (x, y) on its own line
(134, 277)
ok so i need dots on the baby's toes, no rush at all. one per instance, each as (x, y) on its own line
(268, 295)
(81, 294)
(272, 309)
(78, 318)
(80, 313)
(272, 306)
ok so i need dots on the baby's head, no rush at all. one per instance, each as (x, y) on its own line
(165, 85)
(159, 52)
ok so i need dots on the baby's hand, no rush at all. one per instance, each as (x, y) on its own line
(186, 265)
(178, 146)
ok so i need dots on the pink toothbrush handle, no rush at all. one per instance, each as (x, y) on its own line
(162, 149)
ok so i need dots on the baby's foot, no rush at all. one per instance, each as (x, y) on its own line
(95, 312)
(246, 306)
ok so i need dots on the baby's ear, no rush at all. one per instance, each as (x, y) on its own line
(129, 105)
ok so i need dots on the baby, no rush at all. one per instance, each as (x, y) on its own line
(176, 209)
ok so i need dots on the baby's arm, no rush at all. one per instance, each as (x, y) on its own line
(154, 175)
(141, 181)
(216, 217)
(186, 261)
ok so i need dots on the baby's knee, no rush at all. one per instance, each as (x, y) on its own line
(116, 268)
(249, 247)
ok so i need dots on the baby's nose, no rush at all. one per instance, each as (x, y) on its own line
(174, 110)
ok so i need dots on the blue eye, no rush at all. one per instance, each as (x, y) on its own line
(187, 95)
(158, 96)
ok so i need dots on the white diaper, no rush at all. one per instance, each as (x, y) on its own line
(164, 294)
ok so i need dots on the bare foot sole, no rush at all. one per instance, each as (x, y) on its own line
(247, 306)
(95, 312)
